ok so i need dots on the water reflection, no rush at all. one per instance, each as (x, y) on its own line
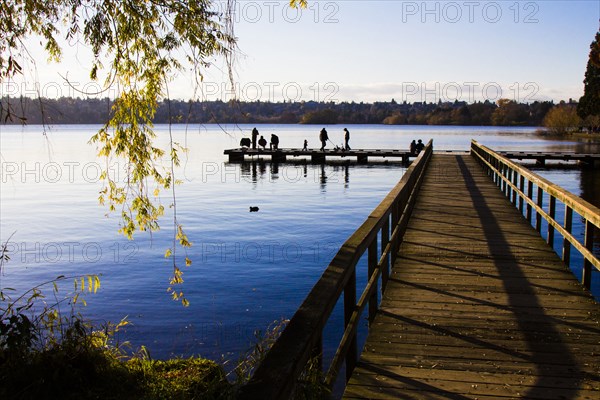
(582, 147)
(588, 146)
(257, 170)
(323, 178)
(346, 176)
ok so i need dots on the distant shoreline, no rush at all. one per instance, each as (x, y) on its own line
(458, 113)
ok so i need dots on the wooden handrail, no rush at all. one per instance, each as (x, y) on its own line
(278, 373)
(511, 178)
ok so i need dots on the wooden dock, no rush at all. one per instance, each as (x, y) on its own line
(540, 157)
(477, 305)
(362, 155)
(316, 156)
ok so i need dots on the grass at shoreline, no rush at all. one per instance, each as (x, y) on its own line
(84, 365)
(43, 359)
(81, 371)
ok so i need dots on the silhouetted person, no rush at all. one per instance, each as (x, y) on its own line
(413, 147)
(323, 138)
(274, 142)
(305, 148)
(262, 142)
(346, 138)
(254, 136)
(420, 146)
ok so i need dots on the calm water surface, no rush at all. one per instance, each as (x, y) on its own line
(249, 269)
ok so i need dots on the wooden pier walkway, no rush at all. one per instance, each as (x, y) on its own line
(477, 305)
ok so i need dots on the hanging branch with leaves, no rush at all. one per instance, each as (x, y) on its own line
(140, 46)
(144, 40)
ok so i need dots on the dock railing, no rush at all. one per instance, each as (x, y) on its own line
(518, 184)
(301, 341)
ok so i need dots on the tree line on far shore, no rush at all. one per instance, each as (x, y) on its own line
(560, 117)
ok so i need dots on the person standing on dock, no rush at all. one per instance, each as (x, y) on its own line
(323, 138)
(254, 136)
(274, 142)
(346, 138)
(305, 148)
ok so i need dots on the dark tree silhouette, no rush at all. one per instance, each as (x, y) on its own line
(589, 103)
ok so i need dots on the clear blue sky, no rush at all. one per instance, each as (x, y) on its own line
(348, 50)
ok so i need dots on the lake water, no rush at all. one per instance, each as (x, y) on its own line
(249, 269)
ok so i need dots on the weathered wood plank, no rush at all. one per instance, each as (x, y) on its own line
(477, 304)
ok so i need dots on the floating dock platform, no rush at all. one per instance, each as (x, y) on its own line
(317, 156)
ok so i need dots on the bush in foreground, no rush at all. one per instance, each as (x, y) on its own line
(82, 365)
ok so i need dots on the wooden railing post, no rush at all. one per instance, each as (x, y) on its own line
(372, 261)
(395, 220)
(385, 239)
(514, 192)
(498, 173)
(503, 174)
(552, 214)
(540, 203)
(586, 278)
(530, 197)
(566, 250)
(522, 189)
(513, 180)
(508, 180)
(349, 306)
(491, 172)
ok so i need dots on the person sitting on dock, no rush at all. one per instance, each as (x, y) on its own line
(245, 142)
(346, 139)
(323, 138)
(413, 147)
(274, 142)
(254, 136)
(420, 146)
(305, 148)
(262, 142)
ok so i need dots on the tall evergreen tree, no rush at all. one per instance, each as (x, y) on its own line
(589, 103)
